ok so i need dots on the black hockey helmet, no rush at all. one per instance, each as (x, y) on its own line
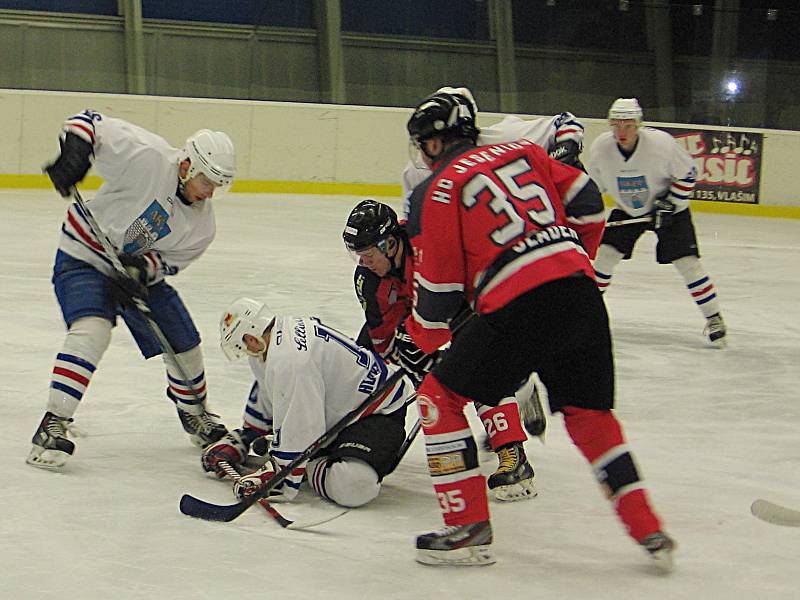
(370, 224)
(444, 114)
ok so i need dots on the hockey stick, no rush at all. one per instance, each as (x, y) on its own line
(231, 472)
(612, 224)
(401, 452)
(775, 513)
(194, 507)
(139, 303)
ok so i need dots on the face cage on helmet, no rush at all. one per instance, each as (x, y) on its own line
(382, 245)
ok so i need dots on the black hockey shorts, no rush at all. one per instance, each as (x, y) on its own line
(375, 439)
(559, 330)
(674, 242)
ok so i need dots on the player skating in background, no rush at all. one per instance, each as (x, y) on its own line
(511, 231)
(384, 288)
(561, 136)
(307, 377)
(648, 173)
(155, 208)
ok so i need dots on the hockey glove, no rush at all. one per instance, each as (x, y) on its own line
(567, 152)
(250, 484)
(232, 449)
(414, 361)
(663, 211)
(72, 165)
(125, 289)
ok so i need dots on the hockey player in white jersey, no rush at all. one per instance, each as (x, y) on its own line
(561, 136)
(308, 376)
(649, 174)
(154, 206)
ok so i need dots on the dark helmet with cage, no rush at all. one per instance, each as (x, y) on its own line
(370, 223)
(449, 114)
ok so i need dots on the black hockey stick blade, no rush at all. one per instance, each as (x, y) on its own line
(200, 509)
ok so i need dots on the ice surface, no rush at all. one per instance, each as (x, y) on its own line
(712, 430)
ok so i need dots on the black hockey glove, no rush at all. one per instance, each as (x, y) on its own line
(125, 289)
(413, 360)
(663, 211)
(72, 165)
(567, 152)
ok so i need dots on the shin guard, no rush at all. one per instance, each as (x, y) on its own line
(502, 423)
(452, 454)
(598, 435)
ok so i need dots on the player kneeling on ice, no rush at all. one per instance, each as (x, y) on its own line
(307, 377)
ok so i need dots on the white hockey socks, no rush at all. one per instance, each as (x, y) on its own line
(179, 390)
(84, 346)
(604, 264)
(699, 284)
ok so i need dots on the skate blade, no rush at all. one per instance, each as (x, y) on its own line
(524, 490)
(471, 556)
(664, 561)
(719, 343)
(51, 460)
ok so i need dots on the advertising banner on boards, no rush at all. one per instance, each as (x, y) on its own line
(728, 163)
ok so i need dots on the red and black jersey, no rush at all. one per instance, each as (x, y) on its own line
(492, 223)
(386, 300)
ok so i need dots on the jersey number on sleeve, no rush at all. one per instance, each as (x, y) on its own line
(531, 194)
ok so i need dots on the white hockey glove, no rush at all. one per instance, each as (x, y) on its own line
(232, 449)
(663, 211)
(250, 484)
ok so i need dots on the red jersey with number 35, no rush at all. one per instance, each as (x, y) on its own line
(491, 223)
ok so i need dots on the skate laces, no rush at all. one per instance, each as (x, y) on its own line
(58, 426)
(715, 324)
(509, 459)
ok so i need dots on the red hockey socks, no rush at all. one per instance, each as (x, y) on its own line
(502, 423)
(598, 435)
(452, 454)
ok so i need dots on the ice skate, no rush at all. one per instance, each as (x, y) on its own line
(532, 413)
(459, 545)
(203, 428)
(715, 330)
(660, 548)
(513, 479)
(51, 448)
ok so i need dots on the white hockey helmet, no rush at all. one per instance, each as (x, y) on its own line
(245, 315)
(625, 108)
(211, 153)
(461, 91)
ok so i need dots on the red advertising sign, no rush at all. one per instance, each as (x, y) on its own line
(728, 163)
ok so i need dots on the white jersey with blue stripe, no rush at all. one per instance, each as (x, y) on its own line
(545, 132)
(657, 167)
(137, 206)
(313, 376)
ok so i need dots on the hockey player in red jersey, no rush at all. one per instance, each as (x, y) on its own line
(512, 232)
(383, 286)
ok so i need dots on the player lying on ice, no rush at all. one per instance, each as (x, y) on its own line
(307, 377)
